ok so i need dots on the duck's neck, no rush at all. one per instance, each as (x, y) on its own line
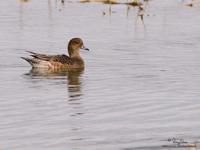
(74, 53)
(76, 59)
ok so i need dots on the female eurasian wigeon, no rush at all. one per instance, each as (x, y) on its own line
(72, 61)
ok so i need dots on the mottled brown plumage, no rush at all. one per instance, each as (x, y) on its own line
(74, 59)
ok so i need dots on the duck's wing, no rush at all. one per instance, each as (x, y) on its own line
(63, 59)
(40, 56)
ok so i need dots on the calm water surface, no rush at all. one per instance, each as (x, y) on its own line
(140, 86)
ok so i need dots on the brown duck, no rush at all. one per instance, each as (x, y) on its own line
(72, 61)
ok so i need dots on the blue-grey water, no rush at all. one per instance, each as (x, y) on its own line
(140, 87)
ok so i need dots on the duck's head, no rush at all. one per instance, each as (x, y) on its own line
(74, 45)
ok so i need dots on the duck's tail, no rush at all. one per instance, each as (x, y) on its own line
(36, 63)
(32, 62)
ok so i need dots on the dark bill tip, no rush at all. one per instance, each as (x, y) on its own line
(85, 48)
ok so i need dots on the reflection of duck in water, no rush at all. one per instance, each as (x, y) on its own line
(73, 78)
(74, 84)
(74, 59)
(24, 1)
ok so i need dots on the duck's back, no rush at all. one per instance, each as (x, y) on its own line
(63, 61)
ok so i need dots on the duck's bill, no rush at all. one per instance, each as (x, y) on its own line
(84, 48)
